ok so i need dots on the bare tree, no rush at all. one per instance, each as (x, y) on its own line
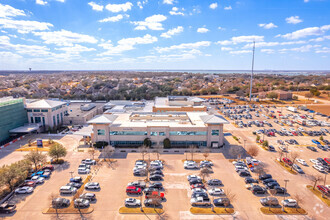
(315, 179)
(51, 197)
(300, 200)
(107, 151)
(260, 169)
(206, 153)
(144, 151)
(204, 172)
(273, 192)
(163, 216)
(231, 196)
(156, 200)
(158, 150)
(192, 150)
(253, 151)
(294, 155)
(92, 152)
(35, 157)
(280, 152)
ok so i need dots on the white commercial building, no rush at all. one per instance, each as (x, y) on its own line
(48, 113)
(181, 128)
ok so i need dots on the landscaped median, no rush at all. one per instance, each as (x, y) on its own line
(145, 210)
(286, 167)
(279, 211)
(32, 146)
(196, 160)
(319, 195)
(209, 211)
(71, 209)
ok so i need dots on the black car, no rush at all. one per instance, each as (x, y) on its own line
(280, 190)
(60, 203)
(322, 161)
(200, 194)
(214, 182)
(312, 148)
(250, 180)
(256, 189)
(221, 202)
(268, 181)
(156, 178)
(7, 208)
(194, 181)
(244, 174)
(271, 185)
(265, 176)
(156, 185)
(157, 172)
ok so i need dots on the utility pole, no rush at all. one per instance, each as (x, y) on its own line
(286, 181)
(254, 44)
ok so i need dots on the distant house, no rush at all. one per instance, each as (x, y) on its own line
(283, 95)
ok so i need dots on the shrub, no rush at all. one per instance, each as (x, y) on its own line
(167, 143)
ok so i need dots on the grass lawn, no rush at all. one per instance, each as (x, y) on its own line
(69, 210)
(286, 167)
(146, 210)
(217, 210)
(33, 146)
(319, 194)
(287, 211)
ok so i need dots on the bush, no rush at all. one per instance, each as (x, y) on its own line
(59, 161)
(101, 144)
(167, 143)
(236, 138)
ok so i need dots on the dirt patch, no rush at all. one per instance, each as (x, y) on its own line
(324, 109)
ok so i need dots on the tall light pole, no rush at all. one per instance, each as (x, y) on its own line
(254, 44)
(286, 181)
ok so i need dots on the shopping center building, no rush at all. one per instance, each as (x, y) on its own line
(183, 129)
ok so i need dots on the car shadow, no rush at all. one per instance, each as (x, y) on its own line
(93, 190)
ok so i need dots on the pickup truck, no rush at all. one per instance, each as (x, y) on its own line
(200, 201)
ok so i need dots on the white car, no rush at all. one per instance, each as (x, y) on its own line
(319, 168)
(82, 170)
(88, 162)
(216, 192)
(38, 179)
(240, 168)
(190, 177)
(24, 190)
(302, 161)
(139, 167)
(289, 202)
(132, 202)
(140, 163)
(198, 190)
(190, 165)
(292, 129)
(92, 185)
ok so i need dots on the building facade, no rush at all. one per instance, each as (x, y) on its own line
(48, 113)
(179, 104)
(182, 129)
(12, 115)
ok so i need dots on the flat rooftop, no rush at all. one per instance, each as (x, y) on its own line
(75, 111)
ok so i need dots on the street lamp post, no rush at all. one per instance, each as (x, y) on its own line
(71, 172)
(286, 181)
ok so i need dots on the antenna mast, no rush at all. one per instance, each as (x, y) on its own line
(254, 44)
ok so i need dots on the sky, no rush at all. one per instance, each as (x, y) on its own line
(164, 34)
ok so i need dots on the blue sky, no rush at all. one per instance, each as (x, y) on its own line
(164, 34)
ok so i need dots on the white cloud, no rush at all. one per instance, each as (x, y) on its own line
(175, 11)
(269, 51)
(126, 44)
(202, 30)
(250, 38)
(305, 48)
(319, 39)
(168, 2)
(184, 46)
(96, 7)
(224, 42)
(65, 38)
(272, 44)
(8, 11)
(140, 4)
(41, 2)
(226, 48)
(119, 7)
(240, 51)
(172, 32)
(306, 1)
(311, 31)
(323, 50)
(293, 20)
(113, 18)
(153, 23)
(228, 8)
(213, 5)
(9, 55)
(23, 26)
(268, 26)
(60, 1)
(76, 49)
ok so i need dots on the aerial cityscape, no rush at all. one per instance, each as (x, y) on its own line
(164, 109)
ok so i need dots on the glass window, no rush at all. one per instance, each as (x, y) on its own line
(61, 117)
(153, 133)
(36, 110)
(37, 119)
(58, 119)
(215, 132)
(188, 133)
(128, 133)
(100, 132)
(162, 133)
(32, 120)
(54, 122)
(29, 110)
(44, 110)
(43, 121)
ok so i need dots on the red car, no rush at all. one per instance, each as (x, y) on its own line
(197, 185)
(30, 183)
(327, 160)
(155, 193)
(287, 161)
(294, 133)
(323, 189)
(48, 167)
(133, 190)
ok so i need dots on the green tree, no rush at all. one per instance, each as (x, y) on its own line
(35, 157)
(15, 173)
(56, 151)
(167, 143)
(147, 142)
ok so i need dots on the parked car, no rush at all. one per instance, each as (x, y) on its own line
(280, 190)
(265, 176)
(81, 203)
(221, 202)
(133, 190)
(244, 173)
(256, 189)
(60, 203)
(68, 190)
(30, 183)
(154, 193)
(319, 168)
(190, 165)
(214, 182)
(88, 196)
(7, 208)
(76, 179)
(156, 185)
(287, 161)
(152, 203)
(297, 168)
(269, 201)
(92, 185)
(88, 162)
(190, 177)
(76, 185)
(302, 161)
(83, 170)
(312, 148)
(323, 189)
(289, 202)
(250, 180)
(140, 184)
(38, 179)
(131, 202)
(24, 190)
(198, 185)
(200, 201)
(156, 177)
(48, 167)
(216, 192)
